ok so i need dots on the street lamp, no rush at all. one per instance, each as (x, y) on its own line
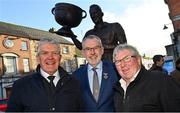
(165, 26)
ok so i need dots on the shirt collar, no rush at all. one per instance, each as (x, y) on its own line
(45, 75)
(99, 66)
(122, 81)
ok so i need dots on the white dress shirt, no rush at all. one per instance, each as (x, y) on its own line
(91, 73)
(123, 83)
(45, 75)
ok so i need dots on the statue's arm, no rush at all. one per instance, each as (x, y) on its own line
(121, 36)
(77, 43)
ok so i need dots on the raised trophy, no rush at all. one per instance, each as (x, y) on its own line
(69, 16)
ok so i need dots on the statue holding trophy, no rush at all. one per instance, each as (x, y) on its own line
(69, 16)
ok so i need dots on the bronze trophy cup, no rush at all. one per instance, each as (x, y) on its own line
(69, 16)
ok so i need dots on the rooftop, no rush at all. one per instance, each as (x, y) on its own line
(31, 33)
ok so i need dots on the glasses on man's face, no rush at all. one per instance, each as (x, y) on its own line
(88, 49)
(126, 59)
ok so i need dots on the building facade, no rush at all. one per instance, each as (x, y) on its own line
(174, 15)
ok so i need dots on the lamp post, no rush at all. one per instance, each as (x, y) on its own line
(165, 26)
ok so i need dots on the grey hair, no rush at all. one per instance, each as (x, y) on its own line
(47, 41)
(121, 47)
(92, 37)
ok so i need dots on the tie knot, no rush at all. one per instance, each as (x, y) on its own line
(94, 68)
(51, 78)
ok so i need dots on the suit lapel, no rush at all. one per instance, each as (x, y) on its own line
(38, 78)
(85, 81)
(64, 77)
(38, 84)
(39, 81)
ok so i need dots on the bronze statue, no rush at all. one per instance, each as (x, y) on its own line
(111, 34)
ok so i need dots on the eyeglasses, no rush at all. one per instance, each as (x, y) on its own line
(90, 49)
(126, 59)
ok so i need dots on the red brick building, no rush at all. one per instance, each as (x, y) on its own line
(174, 15)
(174, 12)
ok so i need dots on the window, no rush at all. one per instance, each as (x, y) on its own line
(10, 65)
(65, 50)
(26, 65)
(67, 64)
(24, 45)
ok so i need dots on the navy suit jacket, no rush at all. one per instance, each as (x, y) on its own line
(105, 102)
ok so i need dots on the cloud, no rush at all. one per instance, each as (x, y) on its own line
(143, 25)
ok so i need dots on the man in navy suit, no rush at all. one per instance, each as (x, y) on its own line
(93, 50)
(38, 93)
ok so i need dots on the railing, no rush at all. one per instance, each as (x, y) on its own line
(7, 81)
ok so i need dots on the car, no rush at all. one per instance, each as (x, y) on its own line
(3, 104)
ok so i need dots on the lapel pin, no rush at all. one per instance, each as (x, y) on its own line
(105, 75)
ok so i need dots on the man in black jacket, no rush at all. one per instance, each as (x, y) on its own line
(176, 73)
(140, 89)
(37, 93)
(158, 64)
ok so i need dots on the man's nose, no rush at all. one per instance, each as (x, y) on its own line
(92, 50)
(122, 64)
(50, 55)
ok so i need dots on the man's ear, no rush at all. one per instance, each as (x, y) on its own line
(37, 59)
(82, 52)
(60, 56)
(102, 50)
(102, 14)
(139, 60)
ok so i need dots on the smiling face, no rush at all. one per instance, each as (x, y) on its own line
(49, 57)
(127, 64)
(92, 51)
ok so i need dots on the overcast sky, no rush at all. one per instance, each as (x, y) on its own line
(142, 20)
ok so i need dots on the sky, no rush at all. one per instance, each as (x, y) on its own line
(142, 20)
